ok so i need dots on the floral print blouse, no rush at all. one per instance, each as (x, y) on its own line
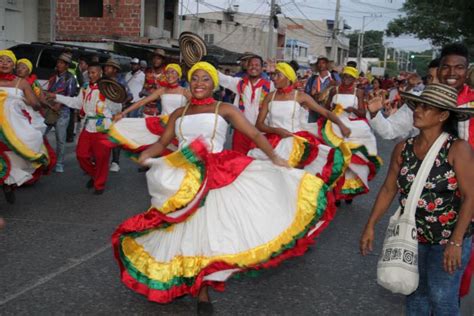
(440, 200)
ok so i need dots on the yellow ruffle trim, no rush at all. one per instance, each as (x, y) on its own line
(183, 266)
(11, 136)
(297, 151)
(353, 184)
(115, 134)
(190, 184)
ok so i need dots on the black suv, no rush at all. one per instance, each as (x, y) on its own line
(43, 56)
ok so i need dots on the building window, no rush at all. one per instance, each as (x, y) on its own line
(91, 8)
(209, 39)
(303, 52)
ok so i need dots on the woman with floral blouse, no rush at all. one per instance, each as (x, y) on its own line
(445, 207)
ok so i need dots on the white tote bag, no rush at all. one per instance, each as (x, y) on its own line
(397, 268)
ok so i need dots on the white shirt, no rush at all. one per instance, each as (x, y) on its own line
(135, 83)
(397, 125)
(97, 108)
(252, 107)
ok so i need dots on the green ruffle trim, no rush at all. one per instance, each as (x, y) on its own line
(177, 281)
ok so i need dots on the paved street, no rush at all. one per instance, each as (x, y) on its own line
(55, 258)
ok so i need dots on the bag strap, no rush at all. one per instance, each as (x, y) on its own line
(420, 178)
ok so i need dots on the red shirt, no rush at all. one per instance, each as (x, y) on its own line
(466, 95)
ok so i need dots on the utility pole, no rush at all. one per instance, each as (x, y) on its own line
(270, 50)
(360, 39)
(385, 58)
(408, 61)
(334, 33)
(197, 16)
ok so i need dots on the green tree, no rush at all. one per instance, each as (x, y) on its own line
(420, 62)
(373, 44)
(440, 22)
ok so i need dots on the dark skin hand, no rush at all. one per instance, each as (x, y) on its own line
(360, 110)
(304, 100)
(230, 114)
(461, 157)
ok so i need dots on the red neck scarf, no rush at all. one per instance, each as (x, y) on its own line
(286, 89)
(8, 77)
(93, 86)
(205, 101)
(465, 95)
(342, 89)
(168, 85)
(246, 82)
(31, 79)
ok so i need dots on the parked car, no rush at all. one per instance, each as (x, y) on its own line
(43, 56)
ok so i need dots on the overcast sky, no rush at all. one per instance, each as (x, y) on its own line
(352, 11)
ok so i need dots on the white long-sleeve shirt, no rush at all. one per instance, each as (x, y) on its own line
(397, 125)
(252, 106)
(135, 83)
(97, 109)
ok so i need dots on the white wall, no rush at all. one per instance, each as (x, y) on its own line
(18, 22)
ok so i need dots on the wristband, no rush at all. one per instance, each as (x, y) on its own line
(452, 243)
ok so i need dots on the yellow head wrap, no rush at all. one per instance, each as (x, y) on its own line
(176, 68)
(351, 71)
(207, 67)
(287, 71)
(27, 63)
(8, 53)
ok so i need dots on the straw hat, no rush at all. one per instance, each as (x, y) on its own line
(67, 58)
(193, 48)
(112, 90)
(113, 63)
(159, 52)
(440, 96)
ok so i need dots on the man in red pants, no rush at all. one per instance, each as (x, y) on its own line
(92, 152)
(250, 91)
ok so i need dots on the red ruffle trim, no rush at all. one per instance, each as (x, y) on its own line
(167, 296)
(221, 170)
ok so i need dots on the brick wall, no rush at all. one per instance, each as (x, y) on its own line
(121, 20)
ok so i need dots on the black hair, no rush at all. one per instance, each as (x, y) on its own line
(458, 49)
(94, 64)
(450, 126)
(378, 80)
(352, 64)
(85, 58)
(294, 65)
(256, 57)
(211, 59)
(434, 63)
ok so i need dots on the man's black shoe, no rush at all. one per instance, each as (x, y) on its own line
(205, 309)
(9, 193)
(98, 192)
(90, 183)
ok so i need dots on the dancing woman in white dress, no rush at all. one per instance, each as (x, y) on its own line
(214, 213)
(136, 134)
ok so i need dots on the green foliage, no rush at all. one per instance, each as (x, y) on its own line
(373, 44)
(421, 61)
(442, 21)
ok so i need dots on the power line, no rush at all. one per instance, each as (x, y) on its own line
(343, 11)
(307, 18)
(306, 30)
(236, 28)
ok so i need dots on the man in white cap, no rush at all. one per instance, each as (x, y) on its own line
(143, 65)
(135, 80)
